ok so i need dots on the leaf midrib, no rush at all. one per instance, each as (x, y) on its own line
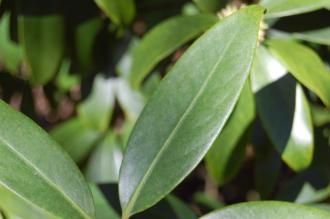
(48, 181)
(177, 126)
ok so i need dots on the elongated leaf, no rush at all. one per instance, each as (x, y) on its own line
(163, 40)
(75, 138)
(268, 209)
(304, 64)
(284, 112)
(42, 39)
(36, 174)
(226, 155)
(96, 110)
(321, 36)
(208, 5)
(182, 119)
(120, 12)
(104, 163)
(281, 8)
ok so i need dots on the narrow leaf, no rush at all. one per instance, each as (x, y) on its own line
(304, 64)
(179, 124)
(321, 36)
(164, 39)
(36, 174)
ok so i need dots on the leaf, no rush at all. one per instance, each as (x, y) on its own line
(105, 161)
(102, 207)
(282, 8)
(37, 178)
(284, 112)
(96, 110)
(304, 64)
(164, 39)
(64, 80)
(42, 39)
(208, 5)
(321, 116)
(120, 12)
(75, 138)
(10, 52)
(178, 124)
(226, 155)
(268, 209)
(321, 36)
(206, 202)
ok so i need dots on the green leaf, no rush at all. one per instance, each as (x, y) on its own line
(304, 64)
(321, 116)
(284, 111)
(75, 138)
(102, 208)
(185, 115)
(105, 161)
(208, 5)
(64, 80)
(164, 39)
(206, 202)
(96, 110)
(120, 12)
(321, 36)
(42, 39)
(37, 178)
(10, 52)
(227, 153)
(281, 8)
(269, 210)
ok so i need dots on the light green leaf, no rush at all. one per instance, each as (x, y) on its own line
(281, 8)
(75, 138)
(226, 155)
(269, 210)
(208, 5)
(10, 52)
(42, 39)
(321, 115)
(103, 209)
(284, 112)
(96, 110)
(321, 36)
(120, 12)
(37, 178)
(178, 124)
(64, 80)
(304, 64)
(164, 39)
(105, 161)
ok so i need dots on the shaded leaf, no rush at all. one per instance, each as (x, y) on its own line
(321, 36)
(208, 5)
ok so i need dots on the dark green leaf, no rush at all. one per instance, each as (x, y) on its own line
(37, 178)
(164, 39)
(188, 110)
(208, 5)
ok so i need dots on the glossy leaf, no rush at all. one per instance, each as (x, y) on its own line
(75, 138)
(42, 39)
(226, 155)
(321, 36)
(178, 124)
(281, 8)
(304, 64)
(268, 209)
(105, 161)
(208, 5)
(46, 183)
(284, 111)
(120, 12)
(96, 110)
(164, 39)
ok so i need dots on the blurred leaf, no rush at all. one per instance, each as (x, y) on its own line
(205, 201)
(104, 163)
(281, 8)
(268, 209)
(125, 63)
(322, 206)
(120, 12)
(189, 9)
(96, 111)
(64, 80)
(183, 132)
(164, 39)
(37, 178)
(75, 138)
(208, 5)
(10, 52)
(284, 112)
(103, 209)
(42, 39)
(304, 64)
(321, 116)
(226, 155)
(321, 36)
(126, 130)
